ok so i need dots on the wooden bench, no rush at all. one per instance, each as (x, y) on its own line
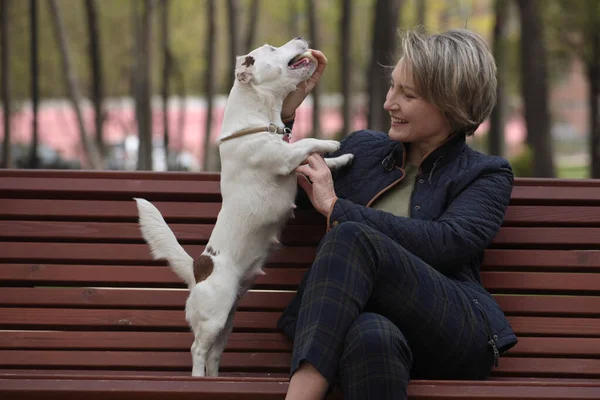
(85, 311)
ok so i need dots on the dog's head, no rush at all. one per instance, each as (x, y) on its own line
(276, 69)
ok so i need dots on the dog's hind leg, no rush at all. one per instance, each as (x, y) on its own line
(213, 359)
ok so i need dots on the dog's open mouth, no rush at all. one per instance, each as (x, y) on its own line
(302, 60)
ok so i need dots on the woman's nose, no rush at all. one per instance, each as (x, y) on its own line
(390, 104)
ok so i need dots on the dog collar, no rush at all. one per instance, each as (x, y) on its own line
(271, 128)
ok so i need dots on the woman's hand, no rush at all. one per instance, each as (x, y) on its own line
(315, 179)
(294, 99)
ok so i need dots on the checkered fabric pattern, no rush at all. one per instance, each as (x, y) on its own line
(372, 315)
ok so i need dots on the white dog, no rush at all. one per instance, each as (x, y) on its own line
(258, 186)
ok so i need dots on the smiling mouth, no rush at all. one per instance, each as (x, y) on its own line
(399, 120)
(302, 60)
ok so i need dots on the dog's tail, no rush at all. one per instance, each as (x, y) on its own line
(163, 243)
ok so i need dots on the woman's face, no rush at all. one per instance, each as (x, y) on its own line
(414, 120)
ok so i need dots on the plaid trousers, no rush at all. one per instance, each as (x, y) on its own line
(372, 316)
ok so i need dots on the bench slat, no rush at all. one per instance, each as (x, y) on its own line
(276, 362)
(90, 297)
(544, 281)
(80, 231)
(120, 232)
(206, 211)
(239, 341)
(115, 253)
(542, 259)
(48, 318)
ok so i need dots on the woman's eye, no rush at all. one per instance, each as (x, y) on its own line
(408, 95)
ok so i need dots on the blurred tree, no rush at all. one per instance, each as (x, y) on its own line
(6, 95)
(496, 133)
(574, 27)
(233, 10)
(211, 153)
(421, 11)
(96, 72)
(35, 91)
(91, 152)
(315, 43)
(534, 82)
(142, 84)
(384, 44)
(166, 72)
(345, 65)
(252, 24)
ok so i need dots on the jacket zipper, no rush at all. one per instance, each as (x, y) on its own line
(491, 338)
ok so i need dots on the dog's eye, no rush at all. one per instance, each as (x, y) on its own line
(271, 48)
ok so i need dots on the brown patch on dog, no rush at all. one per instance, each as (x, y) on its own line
(203, 267)
(248, 61)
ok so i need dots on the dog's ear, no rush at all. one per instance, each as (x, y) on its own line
(244, 71)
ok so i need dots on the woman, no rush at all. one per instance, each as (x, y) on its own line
(394, 292)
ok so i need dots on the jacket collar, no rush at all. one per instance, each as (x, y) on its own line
(445, 152)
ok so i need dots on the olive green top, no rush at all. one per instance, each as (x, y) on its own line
(397, 199)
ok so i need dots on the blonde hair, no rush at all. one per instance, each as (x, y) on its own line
(455, 71)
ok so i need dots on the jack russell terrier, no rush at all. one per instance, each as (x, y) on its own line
(258, 186)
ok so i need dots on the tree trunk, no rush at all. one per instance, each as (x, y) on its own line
(315, 44)
(234, 39)
(252, 24)
(33, 161)
(165, 77)
(6, 100)
(496, 134)
(345, 65)
(96, 67)
(384, 49)
(211, 153)
(294, 19)
(143, 109)
(534, 84)
(91, 152)
(421, 11)
(593, 70)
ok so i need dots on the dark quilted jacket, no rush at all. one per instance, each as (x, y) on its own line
(457, 206)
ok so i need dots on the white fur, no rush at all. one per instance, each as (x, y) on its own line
(258, 187)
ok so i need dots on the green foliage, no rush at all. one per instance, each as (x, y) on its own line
(522, 164)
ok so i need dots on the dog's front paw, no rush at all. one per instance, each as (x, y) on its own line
(329, 146)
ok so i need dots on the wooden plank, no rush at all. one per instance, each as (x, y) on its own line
(518, 236)
(86, 210)
(556, 347)
(171, 341)
(115, 253)
(145, 298)
(545, 305)
(109, 189)
(121, 275)
(558, 367)
(138, 359)
(119, 232)
(247, 342)
(90, 297)
(555, 195)
(541, 281)
(552, 215)
(511, 366)
(221, 389)
(125, 319)
(111, 174)
(542, 259)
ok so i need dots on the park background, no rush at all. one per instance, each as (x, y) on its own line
(137, 84)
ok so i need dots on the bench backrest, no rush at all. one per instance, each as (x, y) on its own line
(80, 293)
